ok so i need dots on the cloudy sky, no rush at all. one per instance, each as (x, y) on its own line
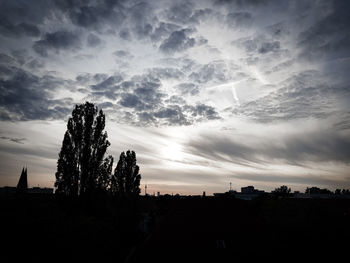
(206, 92)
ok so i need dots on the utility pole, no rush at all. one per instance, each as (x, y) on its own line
(230, 186)
(145, 189)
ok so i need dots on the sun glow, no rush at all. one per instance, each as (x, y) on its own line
(172, 151)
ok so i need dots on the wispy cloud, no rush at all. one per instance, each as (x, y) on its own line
(11, 139)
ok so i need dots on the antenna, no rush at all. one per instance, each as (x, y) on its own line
(145, 189)
(230, 186)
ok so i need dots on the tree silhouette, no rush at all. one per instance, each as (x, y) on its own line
(118, 179)
(81, 167)
(315, 190)
(282, 191)
(345, 192)
(126, 178)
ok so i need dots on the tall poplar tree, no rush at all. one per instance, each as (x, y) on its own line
(126, 178)
(82, 167)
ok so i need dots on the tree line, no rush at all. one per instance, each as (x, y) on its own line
(285, 191)
(83, 167)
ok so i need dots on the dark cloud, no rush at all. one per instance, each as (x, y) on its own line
(201, 14)
(17, 58)
(278, 30)
(185, 13)
(202, 112)
(175, 113)
(22, 29)
(25, 18)
(123, 54)
(143, 103)
(35, 64)
(175, 100)
(143, 31)
(131, 101)
(258, 44)
(329, 38)
(99, 77)
(24, 96)
(166, 73)
(302, 96)
(244, 3)
(6, 59)
(149, 96)
(172, 115)
(239, 20)
(269, 47)
(93, 40)
(56, 41)
(128, 84)
(142, 93)
(83, 78)
(177, 41)
(342, 122)
(93, 15)
(125, 34)
(147, 81)
(105, 94)
(142, 23)
(22, 58)
(140, 12)
(106, 87)
(108, 83)
(25, 11)
(180, 13)
(163, 30)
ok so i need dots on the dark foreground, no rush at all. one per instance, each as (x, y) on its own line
(45, 228)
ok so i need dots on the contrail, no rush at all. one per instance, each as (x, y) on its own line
(232, 85)
(258, 75)
(234, 93)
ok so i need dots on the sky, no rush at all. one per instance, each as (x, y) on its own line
(206, 93)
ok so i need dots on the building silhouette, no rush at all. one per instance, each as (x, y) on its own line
(22, 185)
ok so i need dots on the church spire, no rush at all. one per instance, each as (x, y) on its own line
(22, 185)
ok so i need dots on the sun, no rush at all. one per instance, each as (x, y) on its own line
(172, 151)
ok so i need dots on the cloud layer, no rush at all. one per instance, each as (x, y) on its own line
(206, 67)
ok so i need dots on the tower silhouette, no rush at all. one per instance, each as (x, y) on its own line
(22, 185)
